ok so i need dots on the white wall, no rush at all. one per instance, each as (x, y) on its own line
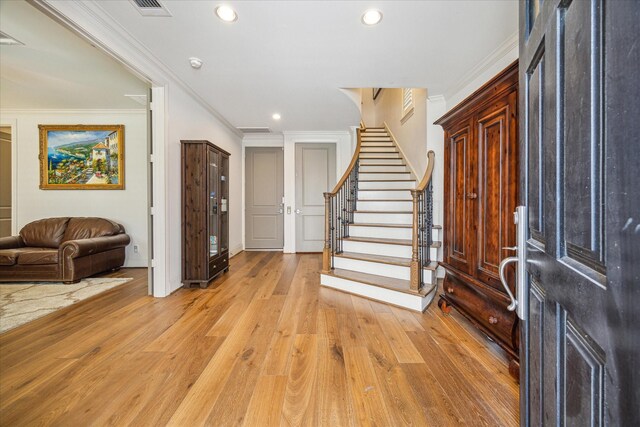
(127, 207)
(187, 119)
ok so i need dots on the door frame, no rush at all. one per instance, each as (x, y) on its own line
(272, 141)
(13, 124)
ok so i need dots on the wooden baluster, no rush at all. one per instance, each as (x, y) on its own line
(326, 251)
(414, 278)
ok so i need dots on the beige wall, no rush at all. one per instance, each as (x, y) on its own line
(410, 135)
(127, 207)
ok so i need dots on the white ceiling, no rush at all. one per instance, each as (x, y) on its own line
(57, 69)
(292, 57)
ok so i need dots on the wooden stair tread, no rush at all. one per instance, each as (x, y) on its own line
(404, 262)
(382, 164)
(386, 180)
(360, 224)
(400, 242)
(398, 285)
(384, 189)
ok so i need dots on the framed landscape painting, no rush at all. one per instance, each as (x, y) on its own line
(81, 157)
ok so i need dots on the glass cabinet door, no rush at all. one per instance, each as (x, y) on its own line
(224, 203)
(212, 176)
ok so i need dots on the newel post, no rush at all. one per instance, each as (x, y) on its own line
(326, 251)
(414, 279)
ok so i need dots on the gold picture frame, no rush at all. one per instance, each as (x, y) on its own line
(81, 157)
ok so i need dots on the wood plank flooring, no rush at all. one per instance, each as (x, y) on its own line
(264, 345)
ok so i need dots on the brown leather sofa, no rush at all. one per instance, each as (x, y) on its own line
(62, 249)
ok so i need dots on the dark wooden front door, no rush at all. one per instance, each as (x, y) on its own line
(580, 120)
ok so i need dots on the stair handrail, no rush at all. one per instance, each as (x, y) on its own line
(339, 205)
(422, 225)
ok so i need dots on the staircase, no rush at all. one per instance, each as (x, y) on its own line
(376, 227)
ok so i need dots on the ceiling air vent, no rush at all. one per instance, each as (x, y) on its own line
(150, 8)
(254, 130)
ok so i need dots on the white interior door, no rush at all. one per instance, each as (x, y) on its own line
(315, 174)
(264, 192)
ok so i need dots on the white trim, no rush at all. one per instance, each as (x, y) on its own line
(160, 208)
(342, 139)
(496, 61)
(13, 123)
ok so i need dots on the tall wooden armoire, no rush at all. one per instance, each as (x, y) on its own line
(205, 212)
(480, 196)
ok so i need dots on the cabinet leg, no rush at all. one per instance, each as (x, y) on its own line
(446, 309)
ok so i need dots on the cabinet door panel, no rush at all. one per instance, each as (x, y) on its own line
(497, 192)
(459, 185)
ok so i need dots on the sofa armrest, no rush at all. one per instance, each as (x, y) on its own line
(83, 247)
(11, 242)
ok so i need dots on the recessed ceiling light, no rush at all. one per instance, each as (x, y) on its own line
(196, 63)
(225, 13)
(276, 116)
(371, 17)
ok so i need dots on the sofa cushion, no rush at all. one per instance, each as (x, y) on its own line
(45, 233)
(39, 257)
(12, 256)
(88, 228)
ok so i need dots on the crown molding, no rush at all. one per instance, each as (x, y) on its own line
(92, 23)
(436, 98)
(502, 51)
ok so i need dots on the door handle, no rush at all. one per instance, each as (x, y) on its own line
(298, 211)
(519, 301)
(280, 211)
(503, 265)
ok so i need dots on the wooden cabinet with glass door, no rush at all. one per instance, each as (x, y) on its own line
(205, 207)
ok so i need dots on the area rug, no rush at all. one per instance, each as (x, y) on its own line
(23, 302)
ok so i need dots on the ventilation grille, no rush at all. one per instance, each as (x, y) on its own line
(254, 130)
(150, 8)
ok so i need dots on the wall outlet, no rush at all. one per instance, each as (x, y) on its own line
(135, 249)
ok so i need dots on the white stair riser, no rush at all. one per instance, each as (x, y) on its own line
(381, 135)
(364, 205)
(389, 168)
(389, 194)
(377, 144)
(386, 176)
(378, 150)
(382, 155)
(366, 161)
(380, 232)
(400, 299)
(372, 185)
(380, 269)
(388, 232)
(385, 218)
(400, 251)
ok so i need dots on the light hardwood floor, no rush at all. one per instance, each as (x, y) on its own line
(263, 345)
